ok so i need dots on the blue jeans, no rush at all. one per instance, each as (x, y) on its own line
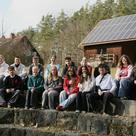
(66, 100)
(121, 88)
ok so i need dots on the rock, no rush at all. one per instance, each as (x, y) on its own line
(17, 131)
(100, 125)
(121, 127)
(25, 117)
(134, 129)
(67, 120)
(4, 131)
(6, 116)
(69, 134)
(84, 122)
(46, 118)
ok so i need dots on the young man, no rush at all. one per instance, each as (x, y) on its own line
(101, 61)
(20, 70)
(105, 87)
(36, 63)
(11, 86)
(53, 63)
(35, 89)
(68, 63)
(3, 70)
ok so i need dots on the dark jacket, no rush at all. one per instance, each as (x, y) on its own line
(41, 70)
(66, 68)
(14, 82)
(133, 75)
(56, 85)
(96, 71)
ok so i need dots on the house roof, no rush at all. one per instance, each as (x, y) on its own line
(118, 29)
(10, 40)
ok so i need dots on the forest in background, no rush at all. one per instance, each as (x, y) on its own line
(61, 35)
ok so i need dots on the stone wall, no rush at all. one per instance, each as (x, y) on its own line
(88, 123)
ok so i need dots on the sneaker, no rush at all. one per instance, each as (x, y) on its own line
(125, 98)
(84, 112)
(2, 105)
(9, 106)
(26, 108)
(32, 108)
(77, 111)
(60, 108)
(42, 108)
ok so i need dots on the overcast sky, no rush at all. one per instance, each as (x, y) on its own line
(20, 14)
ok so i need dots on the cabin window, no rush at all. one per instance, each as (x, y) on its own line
(102, 51)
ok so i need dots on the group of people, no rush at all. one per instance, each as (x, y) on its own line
(74, 83)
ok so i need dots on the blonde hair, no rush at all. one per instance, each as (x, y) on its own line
(82, 60)
(50, 74)
(35, 67)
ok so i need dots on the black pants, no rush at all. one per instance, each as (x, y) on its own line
(81, 98)
(14, 96)
(130, 88)
(105, 97)
(1, 81)
(31, 98)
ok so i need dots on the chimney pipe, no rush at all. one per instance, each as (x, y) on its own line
(12, 36)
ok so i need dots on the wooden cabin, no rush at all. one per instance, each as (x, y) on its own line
(112, 38)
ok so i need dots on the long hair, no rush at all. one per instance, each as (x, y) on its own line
(120, 64)
(88, 75)
(73, 78)
(50, 74)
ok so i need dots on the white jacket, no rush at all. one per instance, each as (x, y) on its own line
(20, 70)
(4, 68)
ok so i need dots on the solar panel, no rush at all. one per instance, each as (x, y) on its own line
(113, 29)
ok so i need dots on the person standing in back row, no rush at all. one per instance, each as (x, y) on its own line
(101, 61)
(68, 63)
(53, 63)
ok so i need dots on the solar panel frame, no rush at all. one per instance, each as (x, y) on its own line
(113, 29)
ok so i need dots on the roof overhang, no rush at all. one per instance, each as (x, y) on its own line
(106, 42)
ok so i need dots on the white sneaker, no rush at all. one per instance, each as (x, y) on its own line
(83, 111)
(77, 111)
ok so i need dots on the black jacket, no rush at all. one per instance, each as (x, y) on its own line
(96, 71)
(66, 68)
(14, 82)
(133, 75)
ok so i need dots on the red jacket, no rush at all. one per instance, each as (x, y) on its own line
(89, 69)
(66, 84)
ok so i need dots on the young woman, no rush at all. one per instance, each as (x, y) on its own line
(84, 63)
(124, 69)
(52, 86)
(70, 86)
(86, 85)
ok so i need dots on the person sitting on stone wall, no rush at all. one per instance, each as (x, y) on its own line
(36, 63)
(105, 86)
(86, 85)
(101, 61)
(52, 86)
(53, 63)
(124, 69)
(3, 70)
(68, 63)
(84, 63)
(20, 70)
(11, 87)
(35, 88)
(70, 86)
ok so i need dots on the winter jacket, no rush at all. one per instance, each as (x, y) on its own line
(41, 69)
(4, 69)
(66, 85)
(20, 70)
(66, 68)
(133, 75)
